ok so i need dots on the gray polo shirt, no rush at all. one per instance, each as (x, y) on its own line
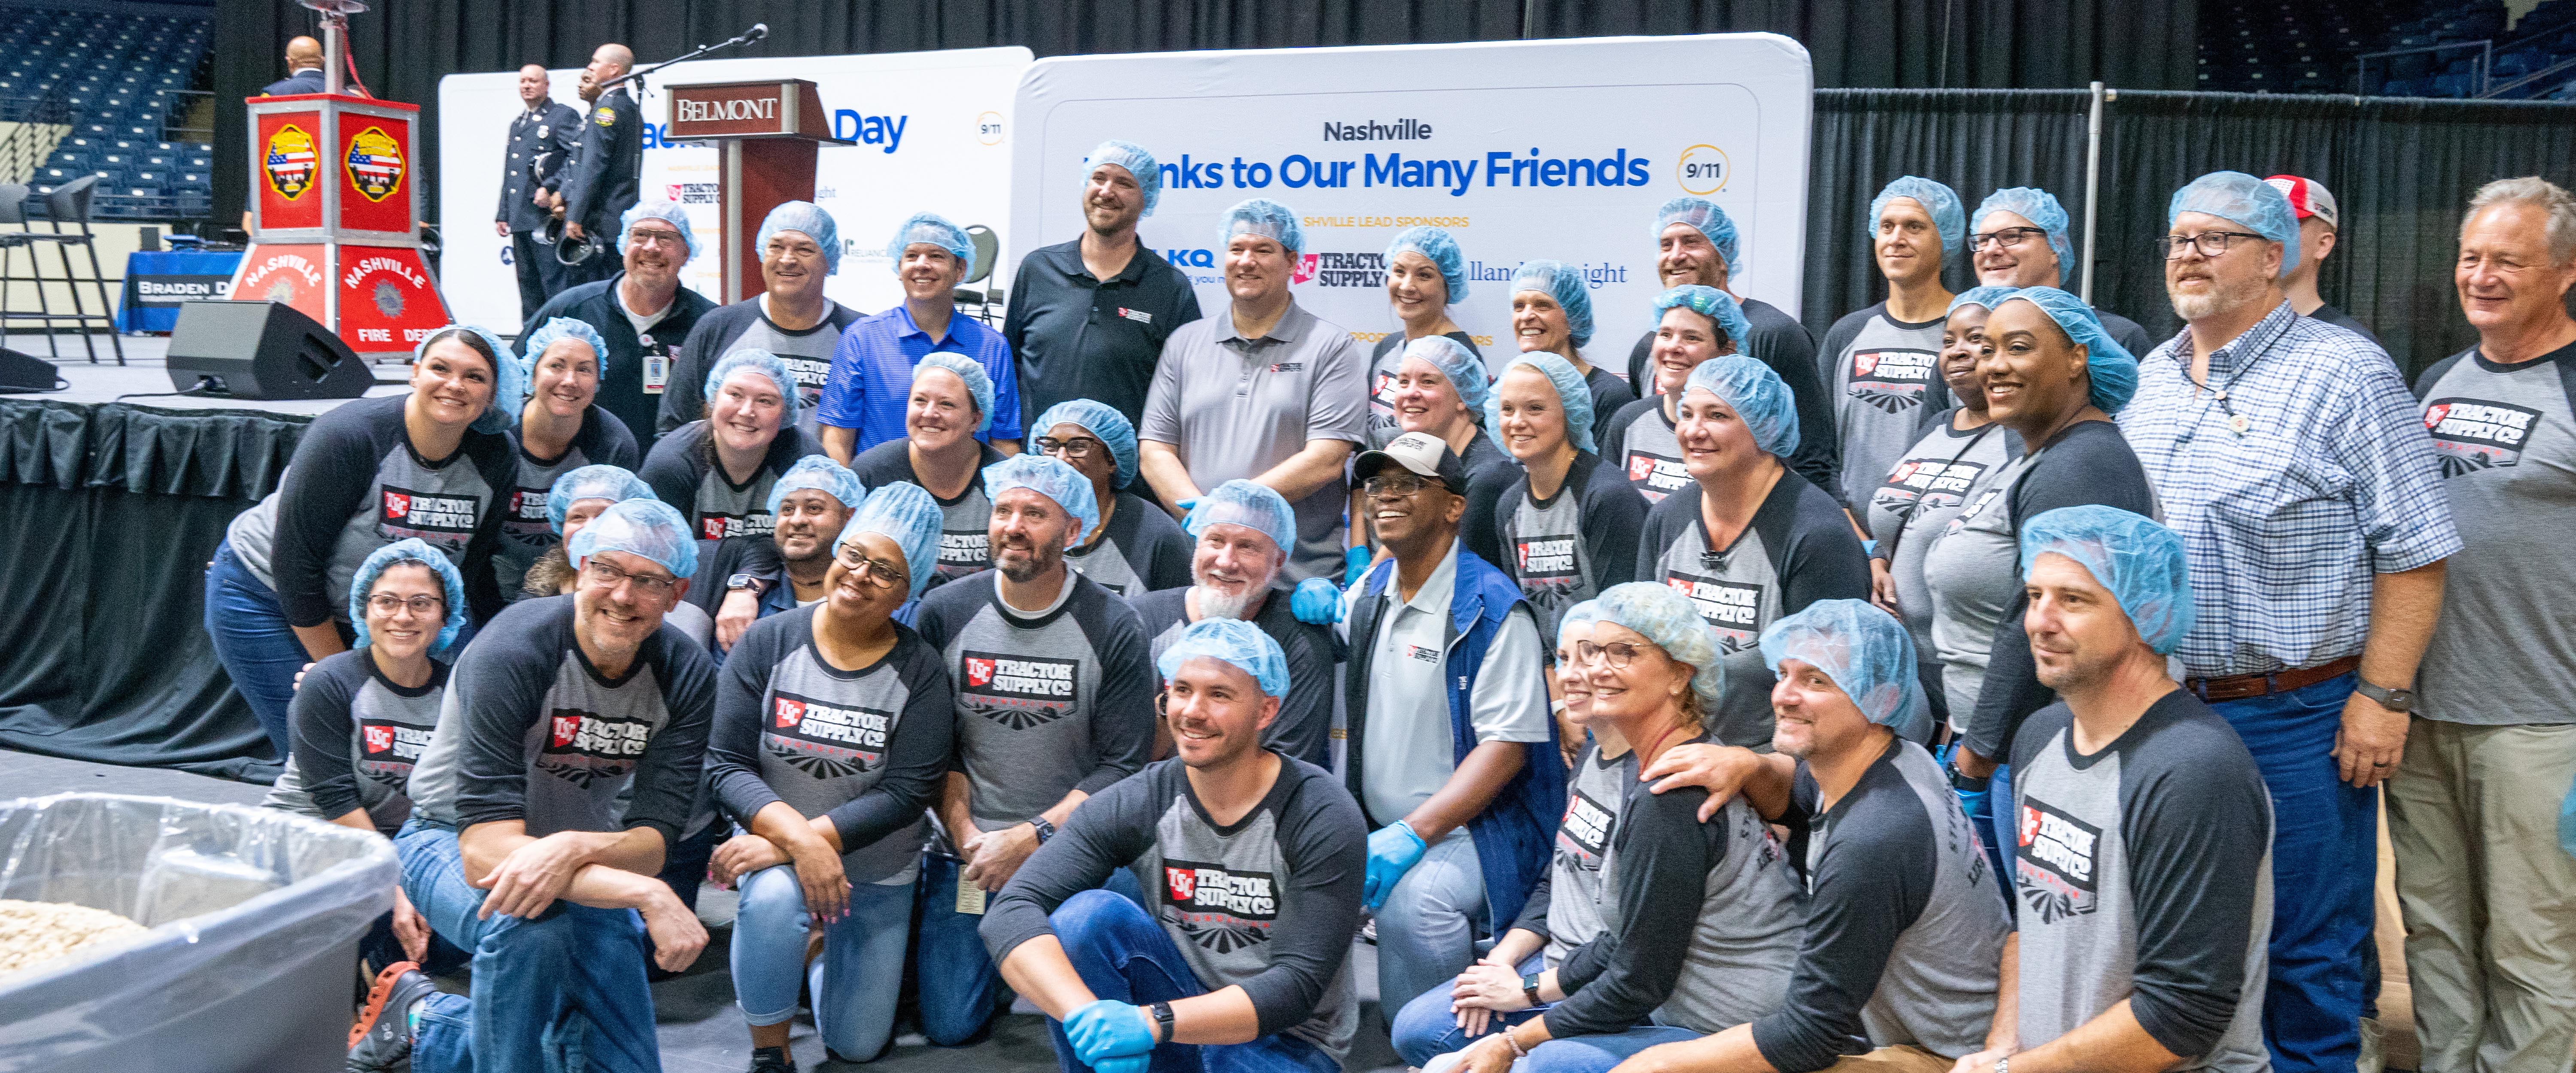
(1235, 407)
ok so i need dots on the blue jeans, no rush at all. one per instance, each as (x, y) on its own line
(1426, 1028)
(1590, 1054)
(561, 992)
(253, 641)
(855, 982)
(1122, 954)
(1426, 930)
(959, 984)
(2325, 853)
(2002, 830)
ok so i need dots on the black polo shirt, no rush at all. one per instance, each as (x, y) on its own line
(1076, 337)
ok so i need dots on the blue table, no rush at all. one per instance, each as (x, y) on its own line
(155, 284)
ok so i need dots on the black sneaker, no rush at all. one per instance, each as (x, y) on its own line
(381, 1039)
(771, 1060)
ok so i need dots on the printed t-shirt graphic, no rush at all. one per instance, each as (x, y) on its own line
(1222, 910)
(825, 740)
(1930, 483)
(1892, 379)
(444, 521)
(1018, 692)
(2475, 434)
(584, 748)
(1652, 457)
(2055, 861)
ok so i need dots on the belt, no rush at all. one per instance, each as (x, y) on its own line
(2241, 686)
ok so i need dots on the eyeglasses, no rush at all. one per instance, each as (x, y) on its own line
(655, 237)
(390, 604)
(1071, 447)
(2008, 238)
(1395, 487)
(882, 573)
(608, 577)
(1619, 653)
(2210, 243)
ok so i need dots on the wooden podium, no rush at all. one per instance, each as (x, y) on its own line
(766, 136)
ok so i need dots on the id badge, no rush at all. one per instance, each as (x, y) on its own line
(657, 372)
(970, 898)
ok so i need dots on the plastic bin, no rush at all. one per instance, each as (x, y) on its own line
(255, 916)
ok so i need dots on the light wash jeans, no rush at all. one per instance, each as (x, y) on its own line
(855, 981)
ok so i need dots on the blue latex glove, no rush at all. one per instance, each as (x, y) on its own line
(1393, 851)
(1108, 1029)
(1975, 803)
(1355, 562)
(1187, 504)
(1316, 602)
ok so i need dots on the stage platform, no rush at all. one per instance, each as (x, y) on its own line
(145, 380)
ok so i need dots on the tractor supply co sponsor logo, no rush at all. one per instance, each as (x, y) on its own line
(1656, 475)
(1892, 380)
(1137, 315)
(824, 740)
(810, 374)
(1393, 130)
(1018, 692)
(1287, 366)
(1584, 835)
(526, 520)
(375, 164)
(1733, 608)
(1220, 909)
(2056, 861)
(442, 520)
(1545, 558)
(1926, 483)
(2474, 434)
(1305, 269)
(290, 162)
(963, 552)
(691, 193)
(390, 748)
(585, 748)
(717, 526)
(1348, 269)
(1422, 653)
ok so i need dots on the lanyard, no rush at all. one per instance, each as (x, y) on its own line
(2236, 422)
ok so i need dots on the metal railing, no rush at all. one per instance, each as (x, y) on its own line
(42, 121)
(2478, 70)
(2560, 70)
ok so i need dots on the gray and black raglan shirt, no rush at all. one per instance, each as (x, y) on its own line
(1566, 548)
(1304, 728)
(965, 523)
(2145, 874)
(866, 747)
(1049, 703)
(531, 731)
(1643, 443)
(1928, 487)
(1884, 376)
(683, 473)
(1726, 884)
(745, 325)
(527, 534)
(1566, 905)
(1905, 920)
(357, 735)
(1141, 549)
(1268, 903)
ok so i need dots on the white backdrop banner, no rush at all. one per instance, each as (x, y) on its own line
(933, 134)
(1523, 150)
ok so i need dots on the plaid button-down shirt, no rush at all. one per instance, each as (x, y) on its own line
(2306, 471)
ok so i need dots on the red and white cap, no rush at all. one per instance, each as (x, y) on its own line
(2308, 197)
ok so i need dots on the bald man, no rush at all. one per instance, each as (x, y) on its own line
(542, 137)
(606, 173)
(303, 70)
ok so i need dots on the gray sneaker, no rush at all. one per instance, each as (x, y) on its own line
(381, 1039)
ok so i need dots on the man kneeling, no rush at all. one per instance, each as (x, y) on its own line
(1252, 862)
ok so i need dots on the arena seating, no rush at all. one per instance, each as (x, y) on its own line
(122, 78)
(2311, 46)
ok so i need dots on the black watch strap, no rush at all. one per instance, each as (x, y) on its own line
(1163, 1017)
(1044, 829)
(1529, 989)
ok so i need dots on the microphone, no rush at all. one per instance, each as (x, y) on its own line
(758, 30)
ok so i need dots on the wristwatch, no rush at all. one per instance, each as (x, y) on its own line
(1163, 1017)
(1044, 829)
(742, 583)
(1529, 989)
(2003, 1064)
(2400, 701)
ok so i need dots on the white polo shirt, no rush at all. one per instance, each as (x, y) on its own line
(1410, 751)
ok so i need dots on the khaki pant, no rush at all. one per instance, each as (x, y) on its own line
(2488, 896)
(1902, 1058)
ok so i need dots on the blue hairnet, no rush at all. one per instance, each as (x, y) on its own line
(1137, 162)
(1714, 304)
(409, 550)
(766, 364)
(1668, 619)
(1703, 215)
(1248, 504)
(2141, 562)
(2109, 367)
(1560, 281)
(1106, 424)
(1985, 298)
(1264, 217)
(907, 514)
(1050, 478)
(2042, 210)
(1230, 640)
(809, 219)
(612, 483)
(1573, 395)
(1865, 650)
(1464, 370)
(1582, 614)
(1757, 396)
(556, 330)
(646, 527)
(1938, 202)
(978, 382)
(820, 473)
(509, 381)
(2250, 202)
(667, 211)
(1436, 246)
(935, 230)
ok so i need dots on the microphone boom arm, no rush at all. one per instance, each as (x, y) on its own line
(757, 32)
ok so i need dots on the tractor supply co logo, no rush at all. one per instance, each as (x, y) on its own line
(375, 164)
(1733, 608)
(1348, 269)
(1547, 569)
(586, 749)
(963, 552)
(290, 162)
(442, 520)
(1138, 315)
(826, 741)
(691, 193)
(526, 520)
(1304, 272)
(1220, 909)
(390, 748)
(810, 374)
(1922, 483)
(1892, 380)
(1288, 367)
(1422, 653)
(1018, 692)
(2056, 862)
(1655, 475)
(716, 526)
(2474, 434)
(1584, 835)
